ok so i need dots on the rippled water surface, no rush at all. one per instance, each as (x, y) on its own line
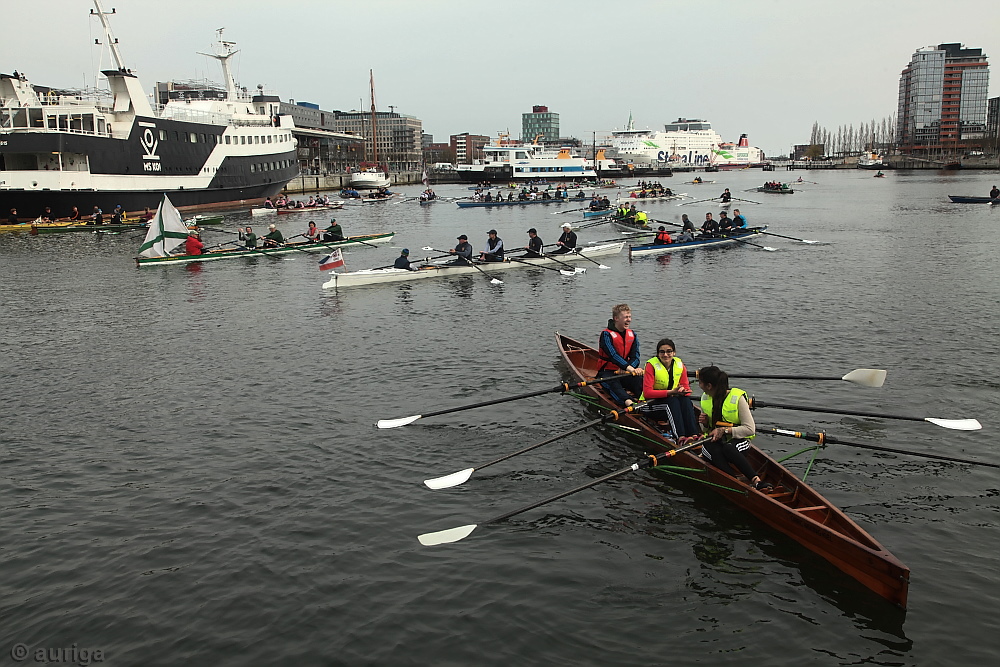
(189, 472)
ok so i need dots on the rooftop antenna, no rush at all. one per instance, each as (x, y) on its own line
(226, 50)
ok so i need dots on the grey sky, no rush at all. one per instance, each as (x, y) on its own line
(769, 68)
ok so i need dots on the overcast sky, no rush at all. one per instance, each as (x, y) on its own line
(769, 68)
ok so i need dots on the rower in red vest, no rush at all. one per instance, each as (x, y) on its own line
(662, 237)
(193, 245)
(619, 348)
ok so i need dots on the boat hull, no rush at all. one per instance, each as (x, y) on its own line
(650, 249)
(322, 246)
(516, 202)
(379, 276)
(961, 199)
(793, 507)
(776, 191)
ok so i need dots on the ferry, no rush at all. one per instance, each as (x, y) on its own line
(113, 148)
(684, 144)
(506, 161)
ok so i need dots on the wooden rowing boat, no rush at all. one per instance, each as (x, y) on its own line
(792, 507)
(43, 228)
(734, 239)
(230, 253)
(379, 276)
(777, 191)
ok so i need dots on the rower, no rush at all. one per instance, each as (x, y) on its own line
(666, 387)
(994, 193)
(249, 239)
(192, 244)
(662, 237)
(494, 248)
(312, 233)
(739, 220)
(619, 348)
(686, 223)
(273, 238)
(726, 196)
(725, 224)
(463, 251)
(710, 227)
(403, 261)
(642, 219)
(726, 418)
(334, 232)
(535, 244)
(566, 242)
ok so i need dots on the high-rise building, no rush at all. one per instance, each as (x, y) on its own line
(942, 100)
(468, 147)
(993, 121)
(540, 123)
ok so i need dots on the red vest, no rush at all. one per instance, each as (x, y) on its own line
(623, 345)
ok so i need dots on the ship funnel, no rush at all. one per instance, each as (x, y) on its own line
(743, 141)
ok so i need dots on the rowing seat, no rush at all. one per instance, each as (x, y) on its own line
(810, 509)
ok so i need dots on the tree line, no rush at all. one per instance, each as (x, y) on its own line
(848, 140)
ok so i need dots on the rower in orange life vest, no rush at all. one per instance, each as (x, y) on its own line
(619, 349)
(662, 237)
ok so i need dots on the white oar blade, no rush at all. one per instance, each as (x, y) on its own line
(601, 266)
(446, 536)
(866, 377)
(567, 273)
(769, 249)
(957, 424)
(580, 270)
(808, 241)
(496, 281)
(448, 481)
(394, 423)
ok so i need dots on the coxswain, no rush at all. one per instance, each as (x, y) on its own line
(727, 420)
(662, 237)
(193, 245)
(665, 386)
(494, 248)
(534, 247)
(334, 232)
(994, 193)
(619, 349)
(567, 241)
(726, 196)
(462, 251)
(403, 261)
(273, 238)
(312, 233)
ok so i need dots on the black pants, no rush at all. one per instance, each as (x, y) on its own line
(724, 452)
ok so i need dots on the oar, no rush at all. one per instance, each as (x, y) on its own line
(425, 259)
(579, 253)
(552, 257)
(823, 438)
(469, 262)
(219, 245)
(461, 532)
(866, 377)
(564, 387)
(212, 229)
(550, 268)
(791, 238)
(634, 236)
(572, 210)
(697, 201)
(749, 201)
(957, 424)
(462, 476)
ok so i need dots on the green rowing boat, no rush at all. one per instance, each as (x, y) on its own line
(306, 246)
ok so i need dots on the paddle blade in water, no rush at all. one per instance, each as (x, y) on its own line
(601, 266)
(446, 536)
(393, 423)
(957, 424)
(496, 281)
(866, 377)
(454, 479)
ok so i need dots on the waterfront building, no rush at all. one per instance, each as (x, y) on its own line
(468, 147)
(540, 123)
(399, 136)
(993, 122)
(942, 100)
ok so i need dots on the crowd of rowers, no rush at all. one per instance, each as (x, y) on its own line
(118, 216)
(495, 251)
(193, 245)
(650, 190)
(776, 185)
(663, 390)
(528, 194)
(284, 202)
(711, 228)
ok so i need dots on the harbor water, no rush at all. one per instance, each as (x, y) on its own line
(190, 472)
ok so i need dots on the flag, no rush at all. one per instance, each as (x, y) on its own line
(332, 261)
(423, 179)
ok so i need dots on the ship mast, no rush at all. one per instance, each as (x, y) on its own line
(371, 75)
(112, 42)
(226, 52)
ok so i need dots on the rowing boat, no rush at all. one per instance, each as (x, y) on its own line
(777, 191)
(378, 276)
(598, 214)
(33, 225)
(515, 202)
(792, 507)
(624, 225)
(305, 246)
(653, 249)
(962, 199)
(43, 228)
(308, 209)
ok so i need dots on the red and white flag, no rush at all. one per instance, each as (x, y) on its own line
(334, 260)
(426, 181)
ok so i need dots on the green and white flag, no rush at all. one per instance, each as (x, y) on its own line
(166, 231)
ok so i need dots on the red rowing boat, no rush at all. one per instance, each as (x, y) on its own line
(791, 507)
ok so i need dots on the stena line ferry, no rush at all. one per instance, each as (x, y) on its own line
(685, 143)
(63, 150)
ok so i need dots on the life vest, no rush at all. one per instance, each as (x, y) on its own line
(623, 345)
(666, 378)
(663, 238)
(641, 217)
(730, 408)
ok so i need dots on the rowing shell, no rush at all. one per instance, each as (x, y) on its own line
(378, 276)
(651, 249)
(516, 202)
(792, 507)
(321, 246)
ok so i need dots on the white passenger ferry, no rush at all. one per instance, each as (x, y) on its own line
(507, 161)
(684, 143)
